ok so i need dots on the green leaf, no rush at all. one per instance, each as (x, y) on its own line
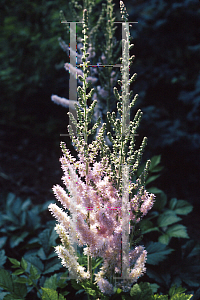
(164, 239)
(3, 240)
(118, 291)
(182, 207)
(14, 261)
(157, 252)
(6, 281)
(152, 178)
(50, 294)
(80, 291)
(157, 169)
(178, 231)
(48, 239)
(9, 200)
(26, 204)
(99, 261)
(22, 280)
(18, 272)
(168, 218)
(173, 290)
(147, 226)
(20, 290)
(154, 190)
(34, 260)
(159, 297)
(51, 266)
(3, 257)
(141, 291)
(181, 297)
(51, 282)
(34, 273)
(17, 239)
(75, 285)
(12, 297)
(154, 287)
(161, 201)
(24, 264)
(155, 160)
(172, 203)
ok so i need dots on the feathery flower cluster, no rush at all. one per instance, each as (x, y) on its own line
(103, 237)
(94, 187)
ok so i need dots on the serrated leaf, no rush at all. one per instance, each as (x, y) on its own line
(49, 294)
(50, 267)
(167, 218)
(18, 272)
(147, 226)
(44, 238)
(178, 231)
(34, 273)
(141, 291)
(22, 280)
(17, 239)
(51, 282)
(34, 260)
(183, 207)
(164, 239)
(33, 219)
(6, 280)
(157, 252)
(14, 261)
(20, 290)
(24, 264)
(173, 290)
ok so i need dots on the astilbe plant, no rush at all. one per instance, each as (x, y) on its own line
(94, 187)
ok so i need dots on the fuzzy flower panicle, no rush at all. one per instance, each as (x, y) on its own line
(95, 192)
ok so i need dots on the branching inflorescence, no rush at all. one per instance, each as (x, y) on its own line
(94, 184)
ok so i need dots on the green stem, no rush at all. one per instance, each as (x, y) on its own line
(33, 283)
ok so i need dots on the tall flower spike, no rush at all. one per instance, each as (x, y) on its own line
(94, 183)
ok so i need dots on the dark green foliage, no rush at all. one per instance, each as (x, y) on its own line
(17, 290)
(141, 291)
(163, 218)
(20, 220)
(157, 252)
